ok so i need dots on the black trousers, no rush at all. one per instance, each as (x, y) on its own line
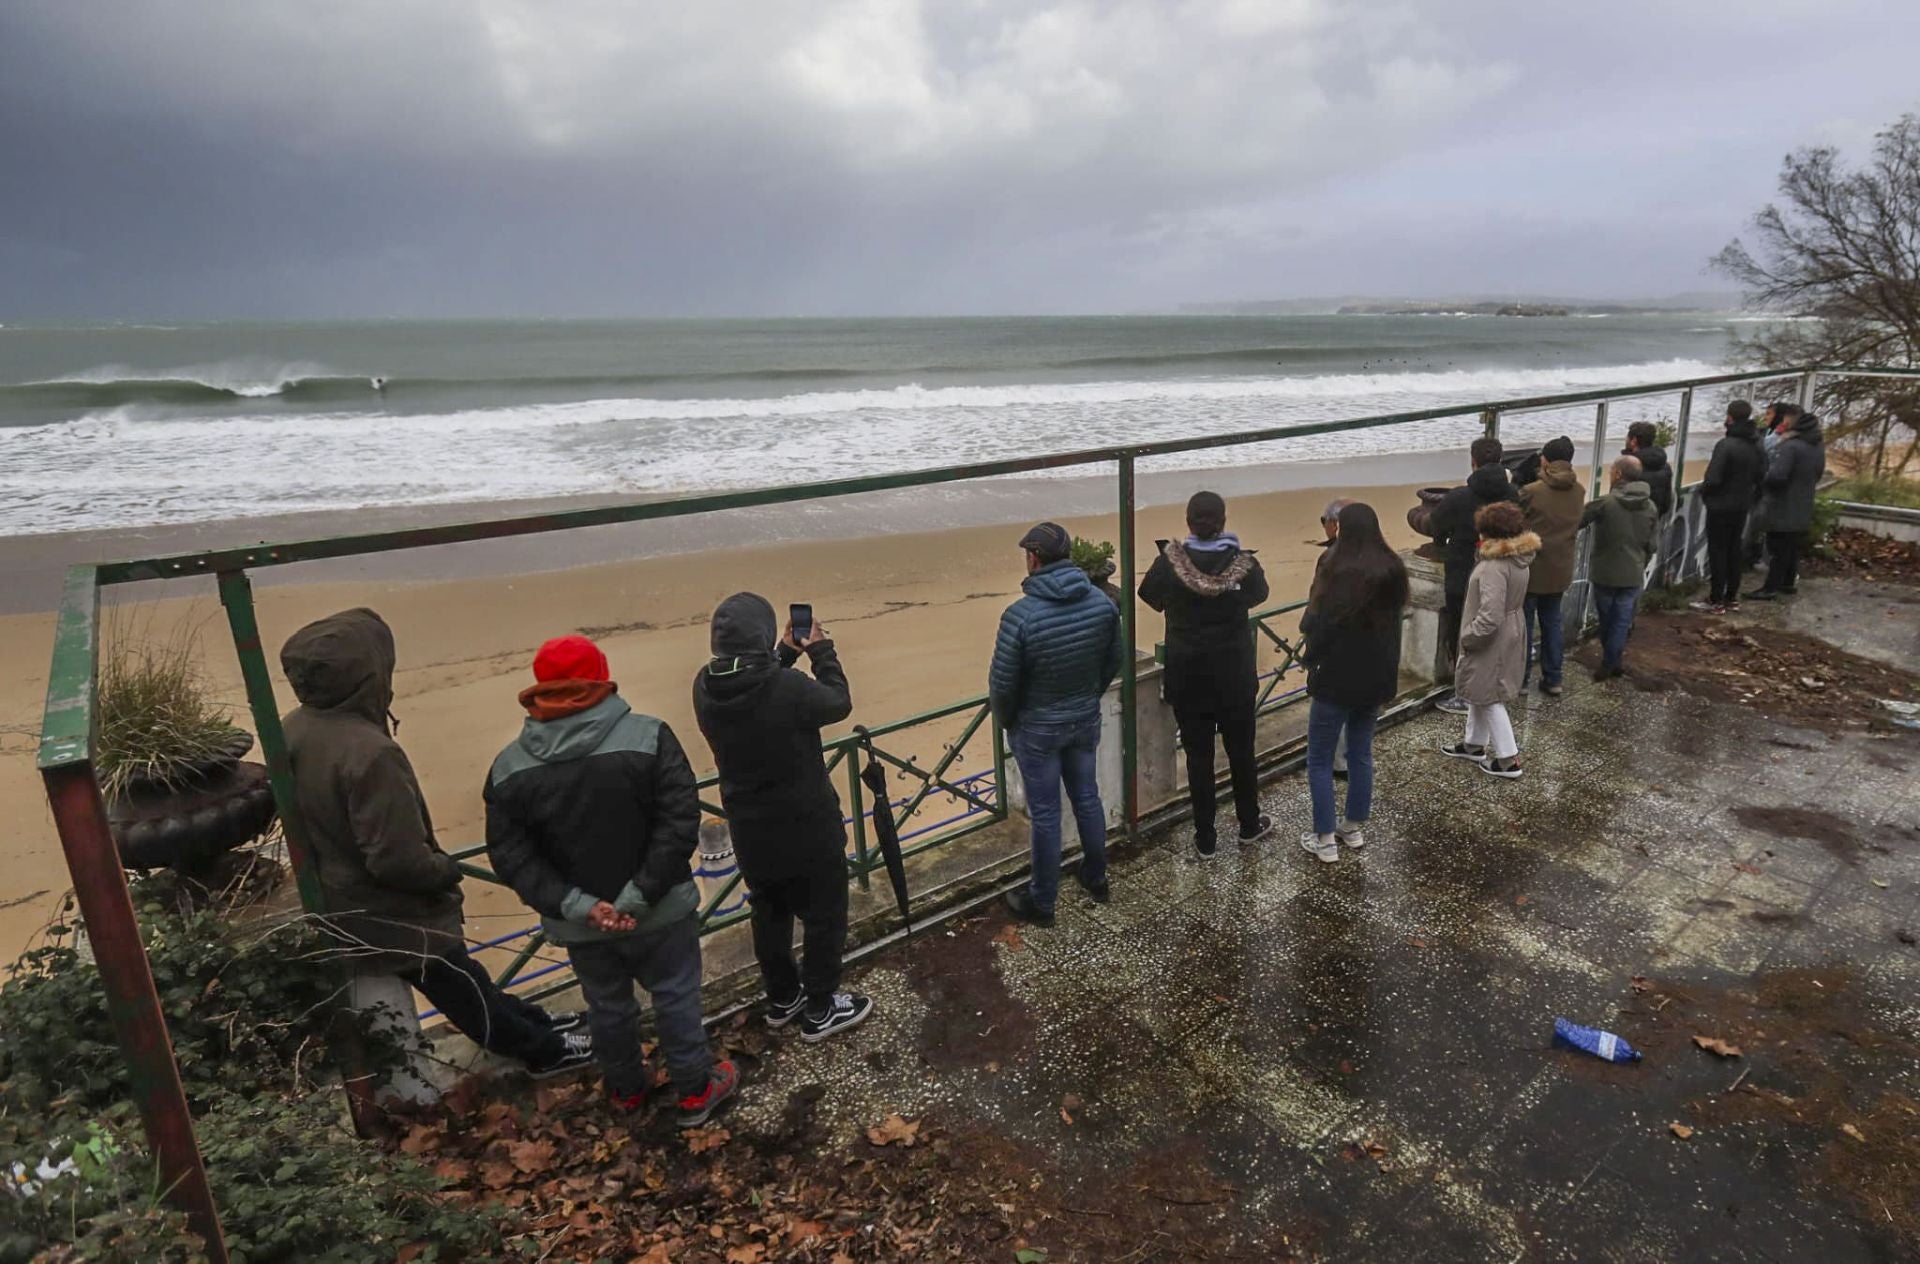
(492, 1018)
(1726, 552)
(818, 900)
(1450, 615)
(1235, 727)
(1783, 559)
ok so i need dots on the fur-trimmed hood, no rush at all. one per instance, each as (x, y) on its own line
(1521, 548)
(1200, 582)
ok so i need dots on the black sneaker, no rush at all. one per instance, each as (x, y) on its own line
(780, 1013)
(1019, 902)
(1460, 750)
(1759, 594)
(723, 1082)
(565, 1022)
(577, 1051)
(1509, 768)
(1453, 704)
(1788, 592)
(848, 1009)
(1205, 844)
(1339, 774)
(1101, 894)
(1261, 828)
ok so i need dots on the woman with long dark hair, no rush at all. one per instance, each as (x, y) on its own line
(1352, 632)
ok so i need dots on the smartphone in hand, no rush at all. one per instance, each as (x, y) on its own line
(800, 619)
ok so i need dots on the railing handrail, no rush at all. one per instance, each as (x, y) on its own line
(174, 566)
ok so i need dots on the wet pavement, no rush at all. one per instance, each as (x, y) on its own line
(1353, 1061)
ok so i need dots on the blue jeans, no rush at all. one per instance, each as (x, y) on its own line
(1615, 607)
(1325, 720)
(1544, 608)
(1048, 756)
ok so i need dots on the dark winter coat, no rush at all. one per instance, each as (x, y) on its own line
(1794, 476)
(1732, 481)
(1493, 627)
(1057, 651)
(1207, 596)
(1451, 523)
(1624, 526)
(1657, 475)
(762, 721)
(1553, 507)
(597, 805)
(1352, 657)
(383, 877)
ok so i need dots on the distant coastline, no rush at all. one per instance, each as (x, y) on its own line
(1696, 303)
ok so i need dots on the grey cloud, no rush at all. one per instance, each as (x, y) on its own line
(513, 156)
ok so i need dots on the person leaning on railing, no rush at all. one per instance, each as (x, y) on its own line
(388, 887)
(1057, 650)
(762, 719)
(592, 819)
(1206, 586)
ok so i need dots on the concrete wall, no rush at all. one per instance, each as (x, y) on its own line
(1883, 520)
(1158, 758)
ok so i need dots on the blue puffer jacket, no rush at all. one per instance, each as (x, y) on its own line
(1058, 650)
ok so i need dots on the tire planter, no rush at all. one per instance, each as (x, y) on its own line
(213, 806)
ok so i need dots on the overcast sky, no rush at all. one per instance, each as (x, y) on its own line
(209, 158)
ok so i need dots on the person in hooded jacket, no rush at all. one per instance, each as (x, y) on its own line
(1057, 650)
(1792, 478)
(592, 817)
(1451, 526)
(385, 882)
(1352, 632)
(1624, 529)
(1552, 505)
(1643, 445)
(1728, 490)
(1206, 586)
(762, 719)
(1493, 640)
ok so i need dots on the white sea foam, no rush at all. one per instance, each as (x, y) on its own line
(124, 466)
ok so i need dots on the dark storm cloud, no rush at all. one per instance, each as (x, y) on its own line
(484, 156)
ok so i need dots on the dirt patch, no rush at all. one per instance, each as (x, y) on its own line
(1831, 832)
(971, 1018)
(1787, 676)
(1815, 1067)
(1859, 554)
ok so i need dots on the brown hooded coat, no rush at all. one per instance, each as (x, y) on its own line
(385, 880)
(1553, 506)
(1493, 627)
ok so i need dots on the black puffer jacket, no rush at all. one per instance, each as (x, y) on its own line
(1657, 475)
(1207, 596)
(1732, 481)
(582, 806)
(1451, 524)
(762, 719)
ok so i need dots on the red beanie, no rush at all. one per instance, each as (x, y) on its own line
(569, 658)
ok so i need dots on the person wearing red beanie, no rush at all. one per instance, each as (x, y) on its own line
(592, 818)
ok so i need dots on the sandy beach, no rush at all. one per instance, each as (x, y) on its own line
(913, 610)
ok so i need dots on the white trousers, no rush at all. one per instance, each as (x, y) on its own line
(1490, 727)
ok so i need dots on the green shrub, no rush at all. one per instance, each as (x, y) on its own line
(1826, 513)
(1095, 559)
(156, 711)
(1900, 493)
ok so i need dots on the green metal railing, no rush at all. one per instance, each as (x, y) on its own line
(69, 727)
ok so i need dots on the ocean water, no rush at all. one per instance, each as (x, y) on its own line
(124, 425)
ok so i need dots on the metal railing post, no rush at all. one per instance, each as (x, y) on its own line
(1808, 381)
(1680, 428)
(1490, 423)
(857, 793)
(1599, 448)
(106, 909)
(1129, 642)
(236, 594)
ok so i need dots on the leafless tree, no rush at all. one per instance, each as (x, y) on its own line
(1843, 246)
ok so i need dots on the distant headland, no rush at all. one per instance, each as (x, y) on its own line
(1469, 305)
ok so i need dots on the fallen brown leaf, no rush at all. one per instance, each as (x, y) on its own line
(799, 1231)
(746, 1253)
(531, 1156)
(701, 1140)
(497, 1173)
(1713, 1044)
(1746, 868)
(1853, 1132)
(893, 1130)
(1680, 1130)
(1010, 936)
(1641, 983)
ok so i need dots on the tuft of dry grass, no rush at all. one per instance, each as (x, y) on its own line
(156, 712)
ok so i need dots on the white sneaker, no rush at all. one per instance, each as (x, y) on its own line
(1322, 847)
(1354, 836)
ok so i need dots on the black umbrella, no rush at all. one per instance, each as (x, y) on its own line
(884, 830)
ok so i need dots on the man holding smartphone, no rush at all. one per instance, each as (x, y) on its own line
(762, 719)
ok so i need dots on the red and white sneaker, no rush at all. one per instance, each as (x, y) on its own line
(723, 1082)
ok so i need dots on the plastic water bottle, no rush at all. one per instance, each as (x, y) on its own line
(1601, 1044)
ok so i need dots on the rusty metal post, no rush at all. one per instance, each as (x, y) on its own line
(106, 908)
(236, 594)
(1129, 648)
